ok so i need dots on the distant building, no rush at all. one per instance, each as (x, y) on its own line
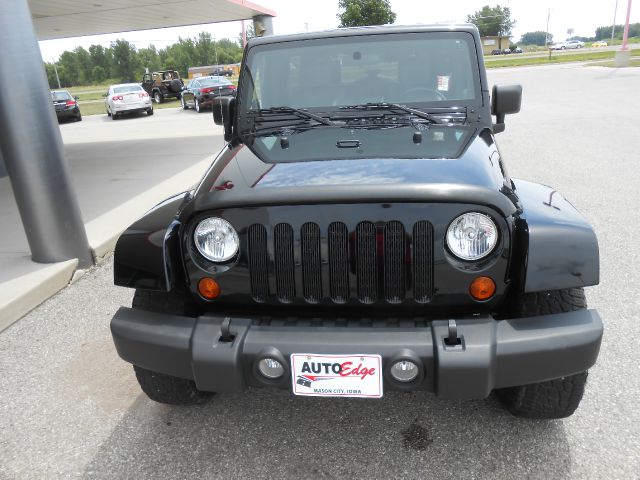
(491, 43)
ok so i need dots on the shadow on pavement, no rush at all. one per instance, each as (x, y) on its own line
(271, 434)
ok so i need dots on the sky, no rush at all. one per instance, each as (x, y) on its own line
(292, 16)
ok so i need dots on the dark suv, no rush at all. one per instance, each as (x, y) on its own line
(360, 233)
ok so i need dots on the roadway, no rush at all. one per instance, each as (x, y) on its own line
(71, 408)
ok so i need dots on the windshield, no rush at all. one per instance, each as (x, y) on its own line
(418, 69)
(209, 82)
(127, 89)
(64, 95)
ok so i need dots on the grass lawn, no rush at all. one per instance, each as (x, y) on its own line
(96, 108)
(555, 58)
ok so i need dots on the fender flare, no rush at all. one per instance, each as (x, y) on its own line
(147, 253)
(561, 246)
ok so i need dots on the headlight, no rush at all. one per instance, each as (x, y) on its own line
(216, 240)
(472, 236)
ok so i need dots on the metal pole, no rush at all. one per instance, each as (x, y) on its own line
(263, 25)
(625, 35)
(31, 146)
(55, 69)
(613, 28)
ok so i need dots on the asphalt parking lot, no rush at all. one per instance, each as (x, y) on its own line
(70, 408)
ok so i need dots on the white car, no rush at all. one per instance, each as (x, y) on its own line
(567, 45)
(127, 98)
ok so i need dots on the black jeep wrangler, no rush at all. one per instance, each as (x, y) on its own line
(360, 231)
(162, 85)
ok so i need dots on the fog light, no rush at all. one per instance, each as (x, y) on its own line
(404, 371)
(270, 368)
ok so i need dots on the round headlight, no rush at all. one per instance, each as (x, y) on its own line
(472, 236)
(216, 240)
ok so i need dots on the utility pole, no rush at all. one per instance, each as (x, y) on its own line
(613, 27)
(546, 35)
(55, 69)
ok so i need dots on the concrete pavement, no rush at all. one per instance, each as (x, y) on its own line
(70, 408)
(119, 170)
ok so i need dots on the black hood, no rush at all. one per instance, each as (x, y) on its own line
(250, 175)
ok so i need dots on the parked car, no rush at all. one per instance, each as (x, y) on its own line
(506, 51)
(361, 231)
(200, 92)
(572, 44)
(517, 50)
(496, 51)
(66, 105)
(163, 84)
(600, 43)
(558, 46)
(127, 98)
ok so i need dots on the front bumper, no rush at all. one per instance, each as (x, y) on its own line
(491, 354)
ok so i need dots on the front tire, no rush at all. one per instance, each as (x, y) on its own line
(157, 97)
(558, 398)
(149, 111)
(183, 103)
(197, 106)
(157, 386)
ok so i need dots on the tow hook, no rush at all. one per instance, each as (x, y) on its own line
(225, 331)
(453, 340)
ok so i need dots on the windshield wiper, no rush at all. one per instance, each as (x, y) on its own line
(392, 106)
(297, 111)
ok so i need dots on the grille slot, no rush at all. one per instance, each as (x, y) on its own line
(258, 262)
(338, 240)
(422, 261)
(311, 275)
(367, 262)
(284, 262)
(394, 262)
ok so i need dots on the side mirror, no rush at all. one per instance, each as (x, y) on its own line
(223, 112)
(105, 95)
(76, 98)
(505, 99)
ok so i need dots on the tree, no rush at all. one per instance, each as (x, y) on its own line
(535, 38)
(493, 21)
(125, 61)
(249, 32)
(365, 12)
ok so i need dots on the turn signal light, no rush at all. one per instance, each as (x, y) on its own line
(208, 288)
(482, 288)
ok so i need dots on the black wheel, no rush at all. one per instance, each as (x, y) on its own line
(150, 111)
(183, 103)
(197, 105)
(159, 387)
(78, 117)
(157, 97)
(114, 116)
(108, 112)
(557, 398)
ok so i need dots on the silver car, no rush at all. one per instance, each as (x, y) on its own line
(127, 98)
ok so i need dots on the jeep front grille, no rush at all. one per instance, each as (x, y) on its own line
(374, 262)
